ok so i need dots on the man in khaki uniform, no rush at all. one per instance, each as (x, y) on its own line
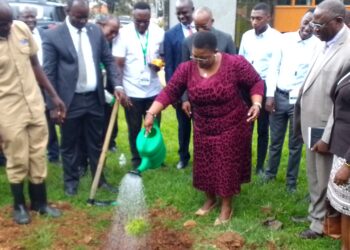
(23, 127)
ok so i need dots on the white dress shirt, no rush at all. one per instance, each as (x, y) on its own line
(186, 31)
(38, 41)
(88, 57)
(288, 70)
(135, 71)
(259, 49)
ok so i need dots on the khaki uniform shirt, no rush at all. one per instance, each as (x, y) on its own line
(20, 94)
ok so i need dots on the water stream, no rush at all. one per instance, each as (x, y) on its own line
(131, 207)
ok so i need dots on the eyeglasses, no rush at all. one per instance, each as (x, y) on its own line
(198, 59)
(320, 26)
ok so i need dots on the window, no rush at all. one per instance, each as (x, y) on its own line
(283, 2)
(303, 2)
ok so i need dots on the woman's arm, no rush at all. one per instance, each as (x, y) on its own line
(152, 113)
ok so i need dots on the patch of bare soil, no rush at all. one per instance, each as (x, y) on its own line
(77, 227)
(162, 237)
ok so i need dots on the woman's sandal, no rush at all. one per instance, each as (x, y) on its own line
(202, 212)
(219, 221)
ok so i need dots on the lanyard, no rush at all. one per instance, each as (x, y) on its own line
(144, 49)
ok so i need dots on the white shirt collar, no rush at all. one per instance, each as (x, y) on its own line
(73, 29)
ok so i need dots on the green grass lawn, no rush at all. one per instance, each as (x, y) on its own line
(174, 187)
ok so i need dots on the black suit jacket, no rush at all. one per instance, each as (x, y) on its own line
(61, 62)
(340, 136)
(173, 40)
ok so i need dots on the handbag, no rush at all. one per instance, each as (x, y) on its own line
(332, 223)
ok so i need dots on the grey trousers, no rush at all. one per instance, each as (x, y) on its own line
(278, 127)
(318, 170)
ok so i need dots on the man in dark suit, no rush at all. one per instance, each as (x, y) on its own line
(173, 40)
(73, 53)
(203, 20)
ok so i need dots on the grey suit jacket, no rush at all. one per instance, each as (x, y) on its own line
(314, 105)
(225, 44)
(61, 62)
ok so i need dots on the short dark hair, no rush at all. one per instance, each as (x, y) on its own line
(141, 6)
(264, 7)
(205, 40)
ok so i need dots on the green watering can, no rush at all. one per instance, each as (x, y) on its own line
(151, 148)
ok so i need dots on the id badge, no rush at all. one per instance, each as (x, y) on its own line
(145, 77)
(293, 96)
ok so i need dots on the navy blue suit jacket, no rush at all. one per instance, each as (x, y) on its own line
(173, 40)
(61, 62)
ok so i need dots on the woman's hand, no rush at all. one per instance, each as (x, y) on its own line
(342, 176)
(148, 123)
(186, 107)
(253, 113)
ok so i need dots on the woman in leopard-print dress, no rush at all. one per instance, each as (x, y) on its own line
(221, 119)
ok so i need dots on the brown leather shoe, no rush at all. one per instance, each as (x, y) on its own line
(310, 235)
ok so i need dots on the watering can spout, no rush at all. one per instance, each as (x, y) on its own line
(135, 172)
(145, 164)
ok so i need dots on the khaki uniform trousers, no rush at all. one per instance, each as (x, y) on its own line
(24, 142)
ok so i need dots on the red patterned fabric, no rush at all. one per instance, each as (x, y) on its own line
(222, 137)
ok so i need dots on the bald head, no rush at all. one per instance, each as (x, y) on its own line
(180, 3)
(203, 19)
(328, 19)
(28, 16)
(184, 11)
(6, 19)
(333, 7)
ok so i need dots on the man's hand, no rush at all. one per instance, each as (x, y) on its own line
(186, 107)
(253, 113)
(270, 104)
(59, 113)
(320, 147)
(342, 176)
(123, 98)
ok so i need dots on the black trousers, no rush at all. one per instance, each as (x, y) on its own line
(263, 136)
(107, 117)
(184, 134)
(134, 116)
(85, 117)
(53, 148)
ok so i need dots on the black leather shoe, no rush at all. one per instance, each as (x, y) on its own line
(310, 235)
(49, 211)
(108, 187)
(181, 165)
(21, 215)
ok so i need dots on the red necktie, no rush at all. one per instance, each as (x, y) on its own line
(190, 30)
